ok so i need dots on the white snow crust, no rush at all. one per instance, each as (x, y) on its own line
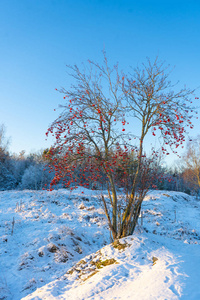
(56, 245)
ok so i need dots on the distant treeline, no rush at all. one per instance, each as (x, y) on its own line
(35, 171)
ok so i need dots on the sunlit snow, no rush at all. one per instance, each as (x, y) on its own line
(56, 245)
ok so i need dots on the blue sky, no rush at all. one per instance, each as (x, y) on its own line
(39, 38)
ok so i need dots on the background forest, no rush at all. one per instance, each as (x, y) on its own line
(34, 171)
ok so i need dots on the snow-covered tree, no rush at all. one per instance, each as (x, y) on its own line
(35, 177)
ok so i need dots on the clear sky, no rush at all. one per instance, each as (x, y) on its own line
(39, 38)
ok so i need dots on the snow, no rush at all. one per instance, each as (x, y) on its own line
(56, 245)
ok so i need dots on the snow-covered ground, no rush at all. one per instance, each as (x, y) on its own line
(56, 245)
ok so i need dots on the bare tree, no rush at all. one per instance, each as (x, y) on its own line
(7, 180)
(152, 100)
(4, 142)
(91, 133)
(191, 162)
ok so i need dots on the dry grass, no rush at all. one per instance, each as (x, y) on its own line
(154, 260)
(103, 263)
(92, 274)
(117, 245)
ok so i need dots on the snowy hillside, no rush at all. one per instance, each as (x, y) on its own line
(55, 245)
